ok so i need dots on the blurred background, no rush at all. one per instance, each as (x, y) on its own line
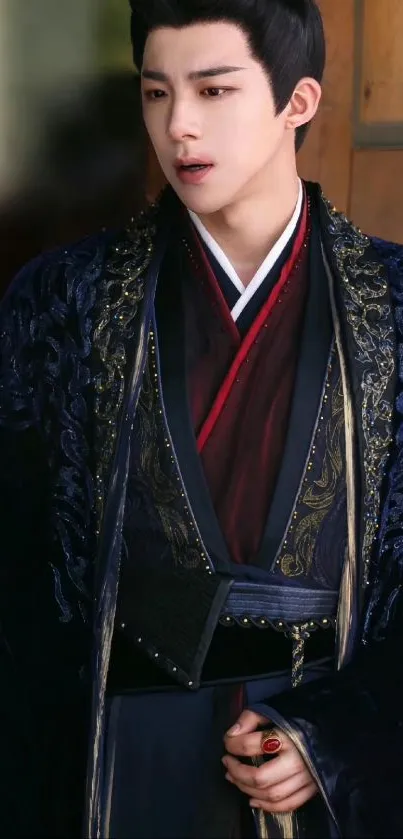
(73, 153)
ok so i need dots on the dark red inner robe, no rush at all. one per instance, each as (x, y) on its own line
(241, 390)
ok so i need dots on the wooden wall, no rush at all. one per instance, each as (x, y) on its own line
(326, 155)
(355, 148)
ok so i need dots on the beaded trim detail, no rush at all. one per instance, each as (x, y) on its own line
(284, 627)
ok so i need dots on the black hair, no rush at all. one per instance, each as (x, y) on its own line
(285, 36)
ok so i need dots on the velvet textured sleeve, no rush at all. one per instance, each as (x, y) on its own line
(350, 725)
(23, 511)
(45, 536)
(24, 471)
(351, 728)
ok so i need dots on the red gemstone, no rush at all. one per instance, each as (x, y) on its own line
(271, 745)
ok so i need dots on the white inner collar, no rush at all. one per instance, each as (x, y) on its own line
(266, 266)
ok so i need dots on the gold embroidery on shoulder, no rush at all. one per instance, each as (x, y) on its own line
(369, 315)
(123, 290)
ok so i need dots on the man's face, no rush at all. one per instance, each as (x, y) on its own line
(207, 101)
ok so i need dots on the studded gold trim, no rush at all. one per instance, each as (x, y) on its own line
(178, 522)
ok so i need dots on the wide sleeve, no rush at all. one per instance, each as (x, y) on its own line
(23, 510)
(349, 729)
(47, 538)
(43, 471)
(349, 726)
(24, 470)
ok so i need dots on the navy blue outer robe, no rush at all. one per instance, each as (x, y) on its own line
(74, 334)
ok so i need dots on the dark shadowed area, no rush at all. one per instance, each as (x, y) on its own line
(91, 170)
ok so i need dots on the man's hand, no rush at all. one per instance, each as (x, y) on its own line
(278, 786)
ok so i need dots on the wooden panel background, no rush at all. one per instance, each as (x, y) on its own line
(381, 88)
(326, 155)
(377, 193)
(367, 183)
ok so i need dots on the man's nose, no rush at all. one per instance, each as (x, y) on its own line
(183, 122)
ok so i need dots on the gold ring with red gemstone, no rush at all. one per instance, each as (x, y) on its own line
(270, 743)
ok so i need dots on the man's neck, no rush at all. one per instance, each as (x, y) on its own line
(248, 230)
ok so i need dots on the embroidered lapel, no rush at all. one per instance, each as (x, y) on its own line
(170, 328)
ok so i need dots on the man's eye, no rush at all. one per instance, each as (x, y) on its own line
(214, 92)
(154, 94)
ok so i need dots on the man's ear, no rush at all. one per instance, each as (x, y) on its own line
(304, 103)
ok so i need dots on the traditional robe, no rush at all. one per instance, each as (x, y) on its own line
(86, 419)
(240, 430)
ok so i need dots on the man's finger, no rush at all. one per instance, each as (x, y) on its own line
(247, 722)
(274, 772)
(280, 792)
(288, 805)
(295, 784)
(249, 745)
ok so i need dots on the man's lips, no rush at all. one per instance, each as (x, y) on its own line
(193, 170)
(188, 162)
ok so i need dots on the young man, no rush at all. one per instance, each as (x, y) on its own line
(202, 476)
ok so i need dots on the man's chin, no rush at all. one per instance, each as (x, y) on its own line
(202, 202)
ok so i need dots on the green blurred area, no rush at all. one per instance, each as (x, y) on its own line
(72, 146)
(114, 35)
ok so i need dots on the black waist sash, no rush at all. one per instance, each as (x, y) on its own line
(250, 635)
(236, 654)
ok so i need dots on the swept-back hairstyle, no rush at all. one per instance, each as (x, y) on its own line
(285, 36)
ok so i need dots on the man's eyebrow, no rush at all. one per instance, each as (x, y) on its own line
(196, 75)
